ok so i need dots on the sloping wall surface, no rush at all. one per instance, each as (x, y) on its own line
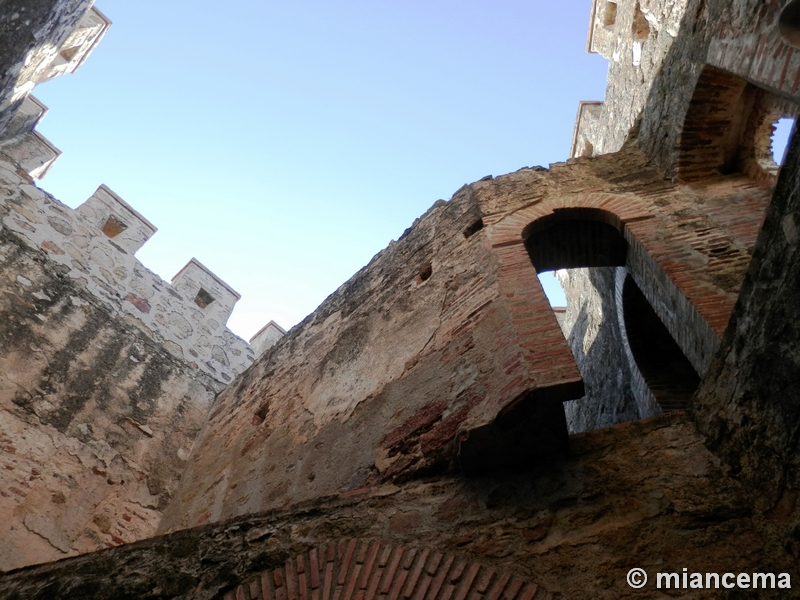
(434, 355)
(646, 495)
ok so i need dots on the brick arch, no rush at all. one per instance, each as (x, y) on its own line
(575, 237)
(688, 264)
(589, 236)
(653, 352)
(360, 569)
(728, 128)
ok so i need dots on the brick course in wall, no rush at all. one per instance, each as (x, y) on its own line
(688, 248)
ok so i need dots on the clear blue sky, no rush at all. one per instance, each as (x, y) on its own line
(284, 144)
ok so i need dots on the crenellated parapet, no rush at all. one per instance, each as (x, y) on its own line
(60, 46)
(119, 221)
(46, 38)
(96, 243)
(74, 51)
(635, 37)
(267, 337)
(214, 297)
(95, 246)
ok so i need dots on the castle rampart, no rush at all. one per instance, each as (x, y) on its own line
(43, 39)
(106, 371)
(107, 268)
(408, 437)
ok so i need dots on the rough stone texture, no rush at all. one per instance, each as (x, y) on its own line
(32, 152)
(406, 367)
(741, 38)
(418, 412)
(647, 494)
(34, 52)
(636, 43)
(96, 420)
(378, 381)
(113, 275)
(656, 93)
(748, 403)
(592, 330)
(31, 34)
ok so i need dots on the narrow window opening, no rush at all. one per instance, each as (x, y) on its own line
(203, 298)
(789, 24)
(610, 15)
(70, 53)
(473, 229)
(113, 226)
(780, 139)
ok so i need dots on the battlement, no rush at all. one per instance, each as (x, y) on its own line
(77, 47)
(267, 337)
(59, 50)
(32, 152)
(589, 114)
(215, 297)
(635, 37)
(95, 244)
(117, 219)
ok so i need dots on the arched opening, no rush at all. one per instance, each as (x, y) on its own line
(575, 237)
(728, 129)
(666, 370)
(590, 245)
(789, 24)
(551, 244)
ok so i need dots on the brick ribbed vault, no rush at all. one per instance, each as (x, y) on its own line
(365, 570)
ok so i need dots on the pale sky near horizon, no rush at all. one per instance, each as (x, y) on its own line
(284, 144)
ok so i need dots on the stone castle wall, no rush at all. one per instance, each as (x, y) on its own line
(411, 430)
(413, 365)
(96, 418)
(591, 328)
(108, 270)
(107, 372)
(647, 494)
